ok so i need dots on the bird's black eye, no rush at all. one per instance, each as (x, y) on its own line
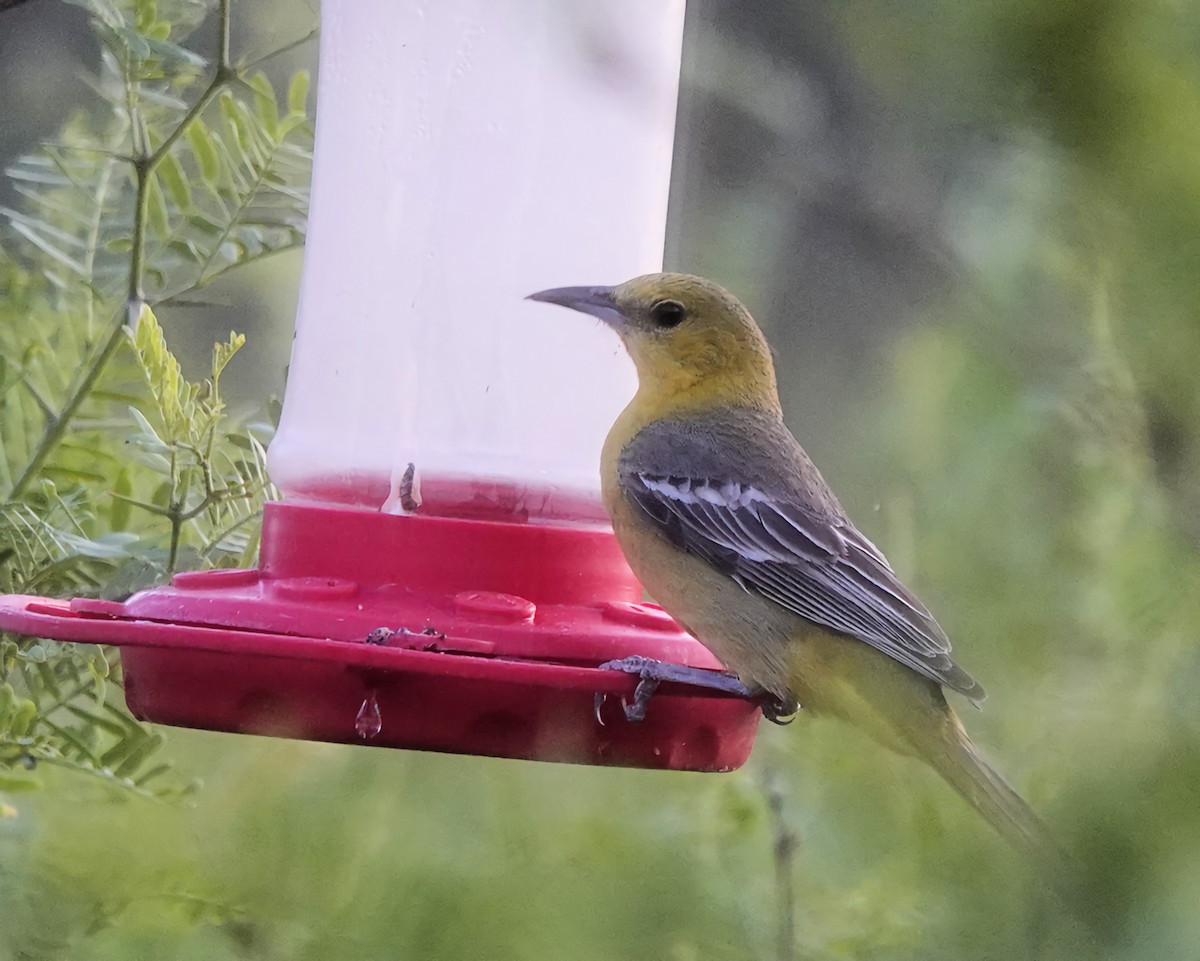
(668, 313)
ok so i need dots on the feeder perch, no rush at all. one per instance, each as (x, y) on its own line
(440, 574)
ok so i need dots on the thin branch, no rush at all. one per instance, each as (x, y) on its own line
(175, 514)
(137, 254)
(44, 405)
(226, 19)
(203, 281)
(57, 426)
(286, 48)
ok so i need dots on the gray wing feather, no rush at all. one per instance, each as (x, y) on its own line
(815, 564)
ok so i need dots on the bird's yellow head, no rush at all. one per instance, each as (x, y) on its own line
(692, 341)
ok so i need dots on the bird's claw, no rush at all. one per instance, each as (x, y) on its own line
(776, 709)
(635, 710)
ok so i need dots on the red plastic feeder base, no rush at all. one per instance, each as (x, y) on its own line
(493, 636)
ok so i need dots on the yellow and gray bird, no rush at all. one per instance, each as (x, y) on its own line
(732, 529)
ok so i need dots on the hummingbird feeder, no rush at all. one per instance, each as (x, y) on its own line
(440, 574)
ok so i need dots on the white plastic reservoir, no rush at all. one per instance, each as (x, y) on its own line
(470, 152)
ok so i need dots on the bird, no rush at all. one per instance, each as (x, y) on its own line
(733, 531)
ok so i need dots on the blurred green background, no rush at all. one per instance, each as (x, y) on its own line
(972, 233)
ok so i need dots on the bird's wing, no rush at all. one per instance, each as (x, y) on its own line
(812, 563)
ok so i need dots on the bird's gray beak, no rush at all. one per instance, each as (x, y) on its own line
(597, 301)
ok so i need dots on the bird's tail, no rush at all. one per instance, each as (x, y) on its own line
(986, 791)
(961, 765)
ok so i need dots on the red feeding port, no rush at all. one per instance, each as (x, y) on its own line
(431, 633)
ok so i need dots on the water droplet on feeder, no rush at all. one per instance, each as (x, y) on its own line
(369, 721)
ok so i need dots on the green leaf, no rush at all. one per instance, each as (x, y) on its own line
(208, 225)
(119, 513)
(109, 546)
(162, 494)
(21, 718)
(49, 248)
(173, 53)
(174, 179)
(133, 41)
(148, 438)
(146, 15)
(163, 373)
(200, 139)
(141, 753)
(119, 751)
(297, 97)
(156, 206)
(223, 353)
(264, 103)
(187, 248)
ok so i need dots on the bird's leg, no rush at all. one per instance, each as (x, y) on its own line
(652, 673)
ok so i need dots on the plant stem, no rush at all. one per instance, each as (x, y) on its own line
(176, 532)
(57, 426)
(783, 852)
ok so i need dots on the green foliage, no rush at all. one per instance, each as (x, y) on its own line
(212, 480)
(1099, 101)
(115, 471)
(186, 193)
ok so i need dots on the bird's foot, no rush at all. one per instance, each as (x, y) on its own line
(776, 709)
(652, 673)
